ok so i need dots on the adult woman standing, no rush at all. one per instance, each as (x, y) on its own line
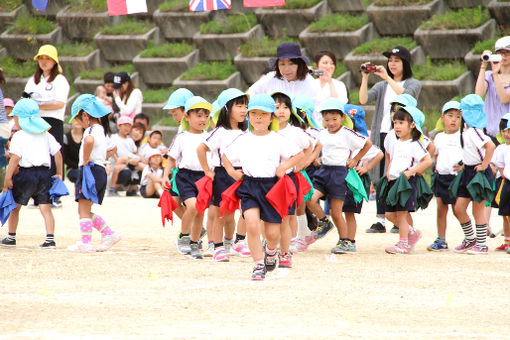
(397, 78)
(496, 84)
(128, 98)
(325, 61)
(49, 88)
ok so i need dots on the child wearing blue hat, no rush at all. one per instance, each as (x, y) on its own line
(338, 142)
(448, 157)
(30, 151)
(408, 157)
(477, 151)
(231, 123)
(260, 152)
(90, 185)
(183, 156)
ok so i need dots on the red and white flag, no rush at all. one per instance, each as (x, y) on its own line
(263, 3)
(123, 7)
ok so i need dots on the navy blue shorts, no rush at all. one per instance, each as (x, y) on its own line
(504, 203)
(467, 175)
(411, 202)
(498, 185)
(311, 170)
(292, 208)
(222, 181)
(350, 205)
(33, 183)
(101, 178)
(441, 184)
(143, 192)
(253, 192)
(185, 180)
(330, 180)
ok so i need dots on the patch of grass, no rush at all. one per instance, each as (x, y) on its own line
(174, 6)
(168, 121)
(168, 50)
(90, 6)
(378, 46)
(127, 27)
(76, 49)
(216, 70)
(339, 23)
(463, 18)
(9, 5)
(340, 69)
(383, 3)
(299, 4)
(481, 46)
(438, 70)
(27, 24)
(263, 48)
(354, 98)
(17, 69)
(238, 23)
(156, 96)
(98, 73)
(431, 118)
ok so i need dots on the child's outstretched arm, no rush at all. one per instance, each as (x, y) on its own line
(363, 169)
(289, 163)
(425, 162)
(11, 168)
(489, 152)
(351, 162)
(235, 174)
(59, 163)
(202, 157)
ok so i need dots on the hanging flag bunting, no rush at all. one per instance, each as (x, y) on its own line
(263, 3)
(123, 7)
(40, 5)
(209, 5)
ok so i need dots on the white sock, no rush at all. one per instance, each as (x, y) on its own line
(382, 221)
(302, 227)
(160, 192)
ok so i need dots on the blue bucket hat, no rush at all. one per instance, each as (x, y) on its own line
(90, 104)
(307, 105)
(417, 115)
(224, 97)
(357, 115)
(405, 99)
(27, 112)
(336, 104)
(453, 104)
(263, 102)
(472, 111)
(178, 98)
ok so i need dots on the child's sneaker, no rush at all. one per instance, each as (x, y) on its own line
(210, 250)
(349, 246)
(285, 260)
(394, 230)
(302, 245)
(6, 242)
(438, 245)
(399, 248)
(377, 227)
(48, 245)
(108, 241)
(322, 229)
(503, 247)
(465, 246)
(183, 245)
(228, 245)
(293, 248)
(340, 248)
(310, 239)
(240, 248)
(259, 272)
(269, 260)
(414, 236)
(112, 192)
(81, 247)
(478, 250)
(195, 252)
(220, 255)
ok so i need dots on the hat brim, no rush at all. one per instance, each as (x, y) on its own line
(170, 106)
(261, 108)
(33, 124)
(272, 61)
(205, 106)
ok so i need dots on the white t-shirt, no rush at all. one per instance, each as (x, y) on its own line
(405, 155)
(125, 146)
(324, 93)
(149, 170)
(184, 150)
(501, 159)
(388, 98)
(312, 132)
(45, 93)
(101, 145)
(33, 149)
(337, 147)
(448, 152)
(217, 141)
(298, 137)
(146, 148)
(473, 150)
(371, 154)
(133, 104)
(391, 138)
(260, 156)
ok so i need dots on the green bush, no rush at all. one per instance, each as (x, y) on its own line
(168, 50)
(126, 27)
(238, 23)
(90, 6)
(174, 6)
(431, 118)
(340, 69)
(383, 3)
(98, 73)
(217, 70)
(378, 46)
(9, 5)
(300, 4)
(156, 96)
(27, 24)
(263, 48)
(76, 49)
(339, 23)
(438, 70)
(354, 98)
(463, 18)
(17, 69)
(481, 46)
(168, 121)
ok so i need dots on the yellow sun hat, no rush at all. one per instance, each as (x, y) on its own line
(50, 51)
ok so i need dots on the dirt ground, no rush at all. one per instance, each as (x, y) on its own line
(144, 289)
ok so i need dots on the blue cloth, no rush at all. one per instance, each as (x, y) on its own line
(40, 4)
(357, 114)
(473, 112)
(88, 186)
(7, 204)
(58, 189)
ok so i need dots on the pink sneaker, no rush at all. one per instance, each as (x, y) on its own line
(241, 248)
(478, 250)
(220, 255)
(399, 248)
(302, 245)
(293, 248)
(108, 241)
(81, 247)
(465, 246)
(414, 236)
(310, 239)
(285, 260)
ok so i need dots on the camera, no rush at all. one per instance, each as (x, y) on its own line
(495, 58)
(316, 73)
(368, 68)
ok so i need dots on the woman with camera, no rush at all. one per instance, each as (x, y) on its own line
(397, 78)
(495, 84)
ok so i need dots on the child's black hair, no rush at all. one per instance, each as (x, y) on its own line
(142, 116)
(503, 124)
(304, 123)
(155, 132)
(282, 98)
(224, 116)
(104, 121)
(338, 112)
(141, 127)
(401, 114)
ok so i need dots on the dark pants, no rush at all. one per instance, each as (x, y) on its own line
(57, 131)
(381, 206)
(73, 174)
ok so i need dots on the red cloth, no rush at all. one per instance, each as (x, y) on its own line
(282, 195)
(229, 199)
(303, 187)
(167, 205)
(204, 186)
(263, 3)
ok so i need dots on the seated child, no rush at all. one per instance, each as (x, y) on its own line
(151, 184)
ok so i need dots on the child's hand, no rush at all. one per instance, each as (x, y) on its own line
(351, 163)
(238, 175)
(210, 174)
(7, 184)
(318, 162)
(361, 170)
(280, 172)
(457, 168)
(59, 176)
(408, 174)
(480, 168)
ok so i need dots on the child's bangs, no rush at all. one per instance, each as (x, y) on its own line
(243, 100)
(333, 112)
(402, 115)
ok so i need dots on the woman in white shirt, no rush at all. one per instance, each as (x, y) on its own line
(325, 61)
(128, 98)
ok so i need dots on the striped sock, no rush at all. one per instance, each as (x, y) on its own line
(50, 238)
(100, 224)
(86, 230)
(11, 237)
(481, 235)
(507, 240)
(467, 228)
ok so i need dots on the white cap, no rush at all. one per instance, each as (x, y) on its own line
(502, 44)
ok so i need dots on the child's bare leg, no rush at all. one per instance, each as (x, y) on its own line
(350, 219)
(442, 212)
(314, 205)
(252, 220)
(460, 209)
(150, 189)
(85, 208)
(293, 225)
(402, 224)
(285, 235)
(196, 227)
(179, 211)
(338, 218)
(13, 220)
(49, 220)
(188, 216)
(272, 231)
(506, 226)
(115, 175)
(158, 188)
(241, 226)
(229, 226)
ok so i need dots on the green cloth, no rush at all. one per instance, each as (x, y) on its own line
(480, 188)
(399, 192)
(423, 193)
(454, 185)
(433, 177)
(381, 186)
(307, 197)
(355, 183)
(365, 178)
(173, 182)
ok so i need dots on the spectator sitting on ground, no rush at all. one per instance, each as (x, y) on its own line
(151, 185)
(153, 143)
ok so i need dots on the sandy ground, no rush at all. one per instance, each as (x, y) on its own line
(144, 289)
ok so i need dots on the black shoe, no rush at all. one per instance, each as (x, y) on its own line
(132, 193)
(376, 228)
(8, 243)
(202, 233)
(270, 260)
(394, 230)
(311, 219)
(48, 245)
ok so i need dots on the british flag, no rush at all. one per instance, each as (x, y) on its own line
(209, 5)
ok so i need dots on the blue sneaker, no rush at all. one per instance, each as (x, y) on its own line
(322, 229)
(438, 245)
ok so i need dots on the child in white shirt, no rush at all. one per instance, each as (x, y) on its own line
(151, 184)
